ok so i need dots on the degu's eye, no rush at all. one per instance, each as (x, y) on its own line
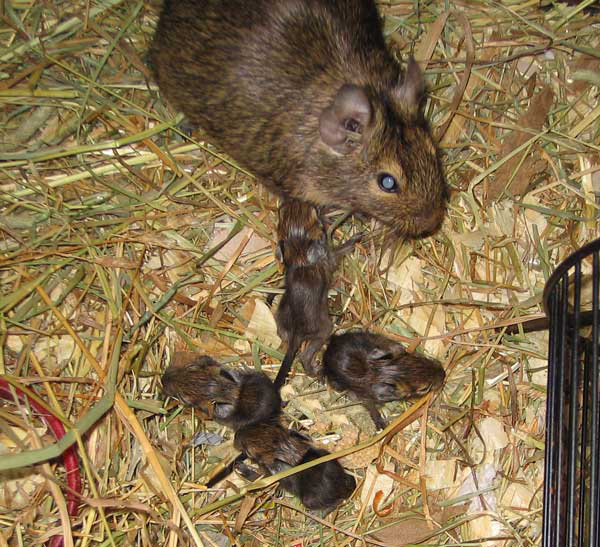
(387, 182)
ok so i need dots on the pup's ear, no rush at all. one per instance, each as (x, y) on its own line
(316, 252)
(384, 391)
(222, 410)
(279, 251)
(380, 354)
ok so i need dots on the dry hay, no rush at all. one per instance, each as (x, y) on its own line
(111, 266)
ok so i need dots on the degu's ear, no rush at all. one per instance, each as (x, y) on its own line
(341, 124)
(410, 93)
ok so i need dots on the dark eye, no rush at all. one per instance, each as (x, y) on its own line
(224, 373)
(387, 182)
(423, 390)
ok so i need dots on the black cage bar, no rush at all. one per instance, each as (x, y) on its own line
(572, 488)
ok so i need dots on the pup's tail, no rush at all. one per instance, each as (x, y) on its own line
(286, 364)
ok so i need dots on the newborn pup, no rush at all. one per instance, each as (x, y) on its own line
(377, 370)
(227, 396)
(303, 315)
(275, 449)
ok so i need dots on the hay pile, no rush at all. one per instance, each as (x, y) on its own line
(125, 243)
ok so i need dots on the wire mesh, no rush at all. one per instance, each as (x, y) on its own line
(571, 488)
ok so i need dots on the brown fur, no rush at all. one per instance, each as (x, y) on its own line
(230, 397)
(262, 77)
(275, 449)
(303, 314)
(377, 370)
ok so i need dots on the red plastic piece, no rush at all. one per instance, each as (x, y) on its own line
(69, 455)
